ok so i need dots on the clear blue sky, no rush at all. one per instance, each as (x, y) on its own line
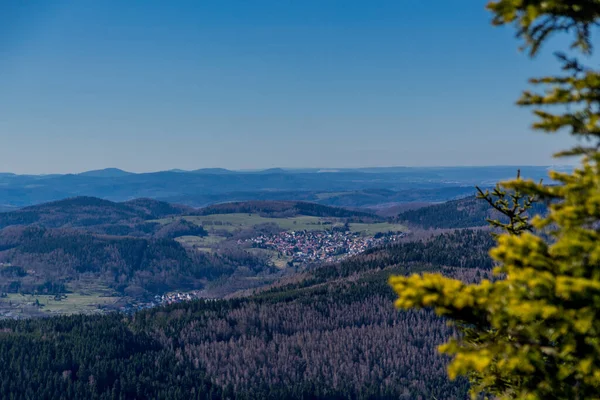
(153, 85)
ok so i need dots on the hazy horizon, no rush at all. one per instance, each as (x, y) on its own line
(293, 169)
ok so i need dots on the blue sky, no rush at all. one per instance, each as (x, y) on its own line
(153, 85)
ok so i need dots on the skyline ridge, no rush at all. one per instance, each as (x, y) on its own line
(333, 169)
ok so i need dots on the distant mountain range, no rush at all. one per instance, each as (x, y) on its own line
(116, 172)
(358, 187)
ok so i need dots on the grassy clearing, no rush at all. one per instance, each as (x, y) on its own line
(201, 243)
(233, 222)
(328, 195)
(279, 260)
(204, 243)
(240, 221)
(371, 229)
(89, 287)
(73, 304)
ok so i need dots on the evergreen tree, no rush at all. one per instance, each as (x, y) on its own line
(534, 332)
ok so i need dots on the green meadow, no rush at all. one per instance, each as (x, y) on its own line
(73, 303)
(239, 221)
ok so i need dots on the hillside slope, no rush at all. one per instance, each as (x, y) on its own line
(35, 259)
(467, 212)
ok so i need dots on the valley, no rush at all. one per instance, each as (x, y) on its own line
(88, 255)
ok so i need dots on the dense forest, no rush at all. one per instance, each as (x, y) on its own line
(460, 248)
(313, 343)
(86, 212)
(468, 212)
(332, 333)
(129, 265)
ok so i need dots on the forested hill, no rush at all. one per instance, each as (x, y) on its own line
(468, 212)
(89, 211)
(332, 334)
(284, 209)
(36, 259)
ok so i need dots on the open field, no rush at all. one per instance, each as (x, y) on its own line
(74, 303)
(381, 227)
(233, 222)
(203, 243)
(328, 195)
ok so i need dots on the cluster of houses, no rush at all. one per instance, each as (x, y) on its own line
(319, 246)
(171, 298)
(167, 298)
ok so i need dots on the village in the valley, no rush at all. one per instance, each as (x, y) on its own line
(307, 246)
(295, 248)
(301, 247)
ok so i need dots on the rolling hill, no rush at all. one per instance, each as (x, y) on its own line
(283, 209)
(86, 212)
